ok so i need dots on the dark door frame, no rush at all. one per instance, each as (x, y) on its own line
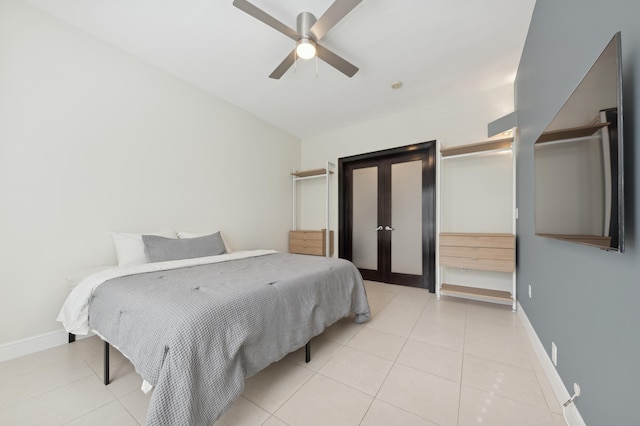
(428, 203)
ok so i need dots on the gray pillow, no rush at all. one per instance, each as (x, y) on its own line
(160, 249)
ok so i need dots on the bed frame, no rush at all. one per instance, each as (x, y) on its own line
(307, 358)
(72, 338)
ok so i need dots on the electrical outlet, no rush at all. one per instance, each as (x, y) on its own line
(554, 354)
(529, 291)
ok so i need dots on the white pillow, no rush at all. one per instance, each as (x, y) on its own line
(130, 248)
(182, 235)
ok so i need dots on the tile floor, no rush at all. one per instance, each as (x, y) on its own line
(419, 361)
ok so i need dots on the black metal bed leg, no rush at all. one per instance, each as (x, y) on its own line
(72, 337)
(106, 363)
(307, 352)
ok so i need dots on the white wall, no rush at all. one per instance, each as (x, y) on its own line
(458, 121)
(93, 139)
(479, 193)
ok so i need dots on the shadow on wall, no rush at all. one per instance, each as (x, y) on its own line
(629, 76)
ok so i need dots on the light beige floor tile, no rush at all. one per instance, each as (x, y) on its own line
(484, 311)
(43, 360)
(322, 401)
(274, 385)
(448, 305)
(437, 316)
(535, 360)
(321, 351)
(506, 345)
(379, 343)
(412, 296)
(508, 331)
(34, 376)
(512, 382)
(360, 370)
(369, 284)
(510, 352)
(124, 379)
(423, 394)
(382, 293)
(484, 408)
(558, 419)
(377, 304)
(87, 345)
(451, 337)
(274, 421)
(549, 395)
(59, 406)
(396, 319)
(342, 331)
(433, 359)
(95, 359)
(383, 414)
(243, 413)
(112, 414)
(137, 404)
(382, 288)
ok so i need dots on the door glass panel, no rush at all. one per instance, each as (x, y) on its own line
(365, 218)
(406, 217)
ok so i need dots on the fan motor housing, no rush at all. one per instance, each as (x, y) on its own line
(304, 22)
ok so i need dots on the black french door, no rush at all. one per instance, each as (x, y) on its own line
(387, 214)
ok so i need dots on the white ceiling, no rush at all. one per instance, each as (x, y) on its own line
(439, 49)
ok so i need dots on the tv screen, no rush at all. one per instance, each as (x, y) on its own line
(578, 161)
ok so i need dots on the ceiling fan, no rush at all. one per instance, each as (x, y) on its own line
(309, 32)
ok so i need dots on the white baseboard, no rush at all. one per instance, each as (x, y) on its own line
(562, 394)
(33, 344)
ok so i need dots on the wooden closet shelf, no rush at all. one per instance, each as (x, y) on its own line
(476, 293)
(490, 145)
(491, 252)
(309, 173)
(593, 240)
(571, 133)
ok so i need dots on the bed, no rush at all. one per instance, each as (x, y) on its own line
(194, 329)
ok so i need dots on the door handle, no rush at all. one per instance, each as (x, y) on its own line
(379, 228)
(388, 228)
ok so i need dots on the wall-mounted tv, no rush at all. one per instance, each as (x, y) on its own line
(578, 161)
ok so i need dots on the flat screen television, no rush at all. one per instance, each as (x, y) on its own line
(578, 161)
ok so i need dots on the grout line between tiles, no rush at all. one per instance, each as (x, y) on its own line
(56, 388)
(292, 395)
(395, 361)
(464, 340)
(127, 409)
(95, 409)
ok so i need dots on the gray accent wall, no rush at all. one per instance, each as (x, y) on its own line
(585, 300)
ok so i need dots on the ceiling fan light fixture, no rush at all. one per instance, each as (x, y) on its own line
(308, 34)
(306, 48)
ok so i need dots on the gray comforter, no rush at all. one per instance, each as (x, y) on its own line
(195, 333)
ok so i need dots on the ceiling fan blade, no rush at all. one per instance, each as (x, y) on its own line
(284, 65)
(336, 61)
(338, 10)
(260, 15)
